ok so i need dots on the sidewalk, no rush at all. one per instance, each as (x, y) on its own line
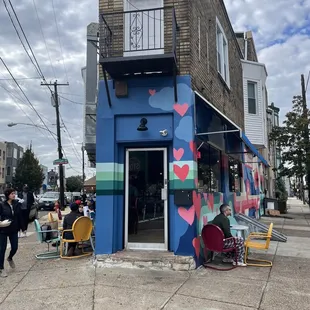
(77, 284)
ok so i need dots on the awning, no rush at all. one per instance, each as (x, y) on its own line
(253, 149)
(226, 127)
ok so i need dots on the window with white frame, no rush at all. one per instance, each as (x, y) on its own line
(252, 97)
(222, 52)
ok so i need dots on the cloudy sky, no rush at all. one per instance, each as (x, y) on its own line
(281, 31)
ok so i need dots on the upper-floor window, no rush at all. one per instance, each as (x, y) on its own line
(8, 171)
(252, 97)
(222, 52)
(15, 153)
(3, 155)
(10, 152)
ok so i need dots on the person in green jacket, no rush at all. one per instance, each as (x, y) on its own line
(223, 222)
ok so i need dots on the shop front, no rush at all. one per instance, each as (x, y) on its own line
(164, 168)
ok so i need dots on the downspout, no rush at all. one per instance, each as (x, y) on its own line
(245, 47)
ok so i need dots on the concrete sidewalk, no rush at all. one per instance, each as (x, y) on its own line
(77, 284)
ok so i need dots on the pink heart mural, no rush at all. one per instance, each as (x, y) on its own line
(152, 92)
(205, 196)
(196, 182)
(196, 245)
(197, 203)
(192, 146)
(181, 172)
(205, 220)
(180, 108)
(188, 215)
(178, 154)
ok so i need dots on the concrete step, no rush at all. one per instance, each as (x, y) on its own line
(153, 260)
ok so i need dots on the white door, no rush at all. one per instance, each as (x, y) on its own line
(144, 30)
(146, 194)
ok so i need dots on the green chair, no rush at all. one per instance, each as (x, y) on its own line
(48, 254)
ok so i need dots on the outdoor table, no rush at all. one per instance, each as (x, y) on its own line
(241, 229)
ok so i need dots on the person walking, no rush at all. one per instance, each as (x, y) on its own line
(11, 221)
(28, 201)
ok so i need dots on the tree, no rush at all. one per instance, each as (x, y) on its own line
(293, 140)
(28, 171)
(74, 183)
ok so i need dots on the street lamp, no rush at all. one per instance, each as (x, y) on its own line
(32, 125)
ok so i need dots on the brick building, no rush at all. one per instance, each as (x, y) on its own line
(170, 146)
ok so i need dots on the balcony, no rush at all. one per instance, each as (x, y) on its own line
(139, 42)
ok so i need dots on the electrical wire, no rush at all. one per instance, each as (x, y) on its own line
(60, 45)
(48, 53)
(80, 103)
(34, 109)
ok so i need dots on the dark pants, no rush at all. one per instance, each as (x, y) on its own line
(3, 244)
(25, 216)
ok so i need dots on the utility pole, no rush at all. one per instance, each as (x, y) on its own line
(306, 133)
(55, 103)
(83, 168)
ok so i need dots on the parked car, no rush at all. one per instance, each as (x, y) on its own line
(47, 201)
(33, 211)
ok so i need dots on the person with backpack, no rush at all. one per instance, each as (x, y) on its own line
(11, 221)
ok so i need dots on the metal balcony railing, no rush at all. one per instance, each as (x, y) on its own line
(138, 33)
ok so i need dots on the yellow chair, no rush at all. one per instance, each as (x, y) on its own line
(250, 244)
(81, 230)
(52, 220)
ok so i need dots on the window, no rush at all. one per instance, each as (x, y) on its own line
(10, 152)
(2, 172)
(209, 169)
(3, 155)
(8, 171)
(13, 170)
(15, 153)
(235, 175)
(222, 53)
(252, 97)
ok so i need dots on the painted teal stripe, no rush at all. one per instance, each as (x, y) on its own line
(178, 184)
(109, 185)
(109, 167)
(109, 176)
(102, 192)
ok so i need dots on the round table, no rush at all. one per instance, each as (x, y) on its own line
(240, 230)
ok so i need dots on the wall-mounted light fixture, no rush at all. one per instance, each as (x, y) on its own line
(164, 132)
(142, 126)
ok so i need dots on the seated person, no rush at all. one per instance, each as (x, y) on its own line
(222, 221)
(68, 223)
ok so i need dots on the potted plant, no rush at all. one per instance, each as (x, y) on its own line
(281, 195)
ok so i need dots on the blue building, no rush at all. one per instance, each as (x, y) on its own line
(167, 154)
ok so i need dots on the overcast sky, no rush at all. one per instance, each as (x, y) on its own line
(281, 32)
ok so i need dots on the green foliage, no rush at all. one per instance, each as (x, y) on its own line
(291, 139)
(28, 172)
(74, 183)
(281, 192)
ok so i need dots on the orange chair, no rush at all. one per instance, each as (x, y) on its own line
(52, 220)
(81, 230)
(250, 244)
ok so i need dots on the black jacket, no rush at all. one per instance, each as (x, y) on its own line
(16, 218)
(223, 222)
(30, 199)
(68, 223)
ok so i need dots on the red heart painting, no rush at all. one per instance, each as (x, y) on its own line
(205, 220)
(196, 245)
(181, 172)
(211, 202)
(188, 215)
(152, 92)
(197, 203)
(178, 154)
(181, 108)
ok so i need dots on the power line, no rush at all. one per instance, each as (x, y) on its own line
(34, 109)
(21, 79)
(60, 45)
(71, 100)
(18, 34)
(48, 53)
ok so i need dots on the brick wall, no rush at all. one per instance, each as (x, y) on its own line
(206, 78)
